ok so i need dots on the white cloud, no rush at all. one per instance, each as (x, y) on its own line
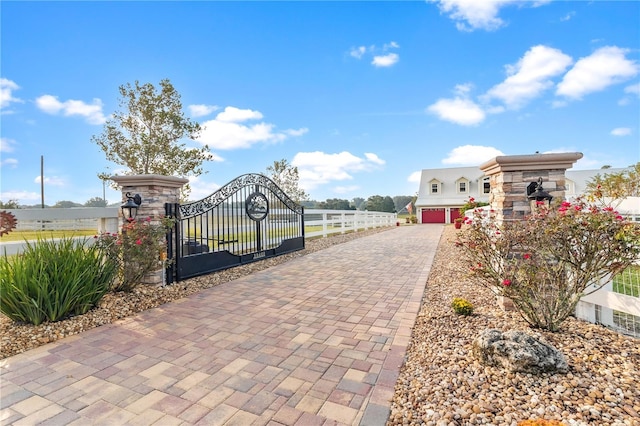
(201, 110)
(459, 110)
(358, 52)
(415, 177)
(318, 168)
(381, 55)
(478, 14)
(633, 89)
(568, 16)
(53, 180)
(472, 14)
(559, 104)
(530, 76)
(91, 112)
(586, 163)
(374, 158)
(6, 96)
(20, 196)
(201, 188)
(385, 60)
(471, 155)
(298, 132)
(227, 130)
(463, 89)
(345, 189)
(621, 131)
(604, 67)
(234, 115)
(9, 162)
(6, 144)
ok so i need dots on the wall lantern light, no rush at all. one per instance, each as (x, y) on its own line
(536, 194)
(130, 208)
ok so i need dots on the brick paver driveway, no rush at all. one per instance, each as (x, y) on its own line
(316, 340)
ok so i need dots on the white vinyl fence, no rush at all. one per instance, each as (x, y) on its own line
(71, 219)
(320, 223)
(325, 222)
(616, 305)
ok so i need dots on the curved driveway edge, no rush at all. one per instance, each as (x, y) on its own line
(318, 340)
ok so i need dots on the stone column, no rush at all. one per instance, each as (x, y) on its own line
(510, 175)
(155, 191)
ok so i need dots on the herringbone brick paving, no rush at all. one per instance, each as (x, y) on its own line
(318, 340)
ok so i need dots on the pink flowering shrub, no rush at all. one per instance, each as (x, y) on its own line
(137, 250)
(471, 203)
(548, 261)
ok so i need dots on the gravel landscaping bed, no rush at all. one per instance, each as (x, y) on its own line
(442, 384)
(17, 338)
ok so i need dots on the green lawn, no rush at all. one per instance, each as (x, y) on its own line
(34, 235)
(628, 282)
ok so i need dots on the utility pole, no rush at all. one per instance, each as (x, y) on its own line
(42, 180)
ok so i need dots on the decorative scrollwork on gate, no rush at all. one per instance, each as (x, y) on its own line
(198, 207)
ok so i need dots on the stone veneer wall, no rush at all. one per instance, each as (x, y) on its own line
(155, 191)
(509, 177)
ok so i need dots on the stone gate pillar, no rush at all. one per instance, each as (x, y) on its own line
(155, 191)
(510, 175)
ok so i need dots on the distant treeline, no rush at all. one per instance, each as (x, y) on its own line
(376, 203)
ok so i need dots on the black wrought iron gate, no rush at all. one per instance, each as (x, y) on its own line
(248, 219)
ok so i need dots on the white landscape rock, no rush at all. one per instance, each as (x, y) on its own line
(516, 351)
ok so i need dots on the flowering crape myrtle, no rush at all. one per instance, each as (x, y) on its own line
(548, 261)
(137, 250)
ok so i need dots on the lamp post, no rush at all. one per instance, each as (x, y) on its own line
(536, 194)
(130, 208)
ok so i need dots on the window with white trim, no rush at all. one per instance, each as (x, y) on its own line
(462, 186)
(486, 186)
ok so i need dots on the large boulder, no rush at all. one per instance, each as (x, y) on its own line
(517, 351)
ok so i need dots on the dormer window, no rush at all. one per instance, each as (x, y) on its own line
(434, 186)
(462, 185)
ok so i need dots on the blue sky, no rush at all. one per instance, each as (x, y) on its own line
(360, 96)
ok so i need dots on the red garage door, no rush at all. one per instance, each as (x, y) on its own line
(454, 214)
(433, 216)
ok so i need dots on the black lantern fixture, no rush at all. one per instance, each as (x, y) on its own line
(536, 193)
(130, 208)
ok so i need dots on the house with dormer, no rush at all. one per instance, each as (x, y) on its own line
(443, 191)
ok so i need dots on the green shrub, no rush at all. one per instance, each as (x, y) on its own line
(461, 306)
(471, 203)
(53, 279)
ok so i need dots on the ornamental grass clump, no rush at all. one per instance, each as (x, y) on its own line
(548, 261)
(137, 250)
(461, 306)
(53, 279)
